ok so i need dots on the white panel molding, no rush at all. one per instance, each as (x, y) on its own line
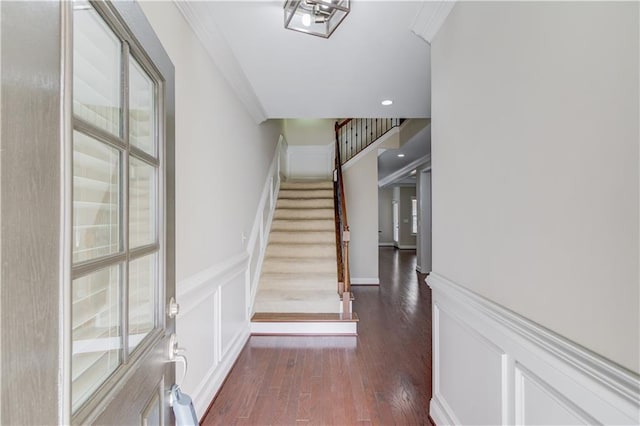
(386, 244)
(587, 385)
(404, 246)
(365, 281)
(192, 291)
(213, 380)
(261, 228)
(327, 328)
(423, 162)
(521, 376)
(222, 55)
(431, 17)
(310, 161)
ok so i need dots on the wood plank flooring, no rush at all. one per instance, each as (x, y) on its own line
(380, 377)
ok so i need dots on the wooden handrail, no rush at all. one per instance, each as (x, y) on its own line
(342, 224)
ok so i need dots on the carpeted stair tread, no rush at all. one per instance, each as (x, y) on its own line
(314, 213)
(303, 237)
(303, 225)
(311, 193)
(311, 266)
(323, 184)
(299, 272)
(300, 250)
(305, 203)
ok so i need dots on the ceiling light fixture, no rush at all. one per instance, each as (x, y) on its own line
(315, 17)
(400, 155)
(387, 102)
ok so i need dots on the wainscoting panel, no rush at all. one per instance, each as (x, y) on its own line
(233, 316)
(492, 366)
(480, 400)
(212, 326)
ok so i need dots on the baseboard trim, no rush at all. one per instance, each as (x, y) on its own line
(566, 377)
(208, 389)
(403, 247)
(365, 281)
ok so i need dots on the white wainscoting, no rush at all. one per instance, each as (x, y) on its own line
(212, 326)
(310, 161)
(215, 304)
(492, 366)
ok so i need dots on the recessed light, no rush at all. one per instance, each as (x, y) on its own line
(387, 102)
(400, 155)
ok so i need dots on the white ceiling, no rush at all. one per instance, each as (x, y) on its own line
(373, 55)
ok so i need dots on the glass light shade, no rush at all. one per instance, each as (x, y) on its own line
(325, 15)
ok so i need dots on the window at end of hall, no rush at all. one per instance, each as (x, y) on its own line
(414, 216)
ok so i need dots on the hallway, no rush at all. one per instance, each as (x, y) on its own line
(382, 376)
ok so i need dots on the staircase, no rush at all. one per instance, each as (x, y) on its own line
(297, 291)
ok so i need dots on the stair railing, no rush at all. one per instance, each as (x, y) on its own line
(342, 228)
(355, 134)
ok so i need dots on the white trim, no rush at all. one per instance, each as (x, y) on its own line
(260, 230)
(329, 328)
(406, 170)
(387, 244)
(191, 291)
(365, 281)
(405, 247)
(575, 380)
(212, 382)
(222, 55)
(431, 17)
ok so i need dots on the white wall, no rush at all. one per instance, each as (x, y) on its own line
(541, 212)
(309, 131)
(361, 190)
(222, 158)
(385, 216)
(535, 168)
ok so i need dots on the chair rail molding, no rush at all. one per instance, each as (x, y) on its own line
(222, 55)
(522, 372)
(431, 17)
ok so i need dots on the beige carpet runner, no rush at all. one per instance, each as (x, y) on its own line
(299, 269)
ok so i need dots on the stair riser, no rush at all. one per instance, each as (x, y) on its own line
(301, 251)
(326, 237)
(312, 193)
(284, 328)
(326, 214)
(295, 266)
(305, 203)
(303, 225)
(327, 184)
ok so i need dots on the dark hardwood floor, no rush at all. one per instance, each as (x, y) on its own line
(380, 377)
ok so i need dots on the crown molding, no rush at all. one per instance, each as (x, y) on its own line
(406, 170)
(222, 55)
(431, 17)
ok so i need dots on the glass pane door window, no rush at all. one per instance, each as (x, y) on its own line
(116, 286)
